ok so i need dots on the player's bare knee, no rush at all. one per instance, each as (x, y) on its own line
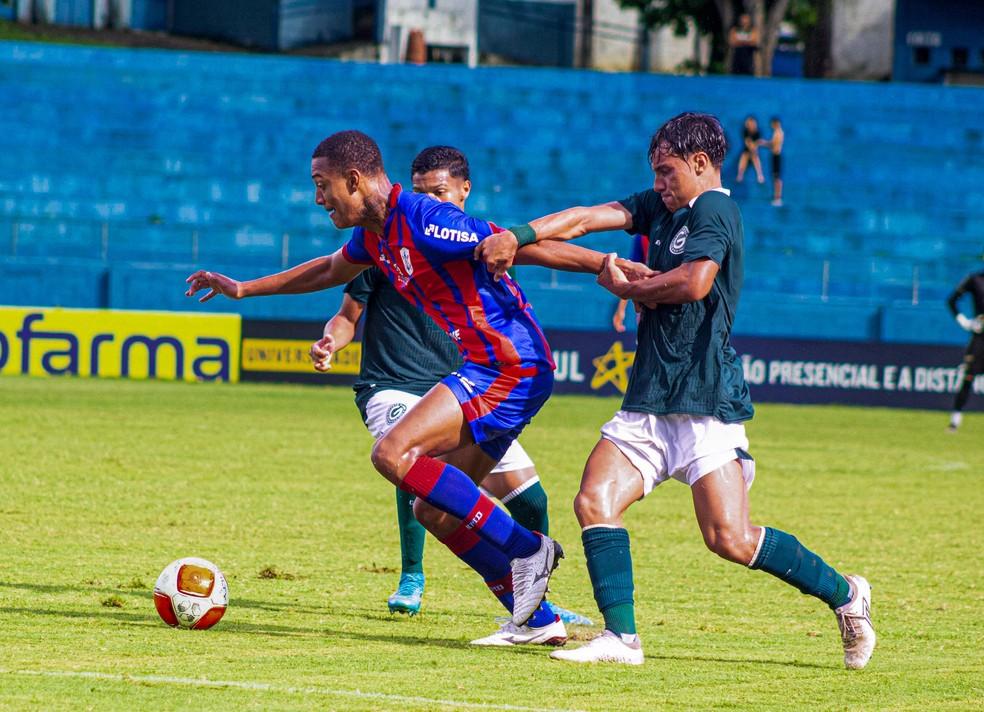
(590, 508)
(731, 544)
(391, 459)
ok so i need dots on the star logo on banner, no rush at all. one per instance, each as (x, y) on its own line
(613, 367)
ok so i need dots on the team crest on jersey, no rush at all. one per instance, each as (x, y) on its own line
(396, 412)
(407, 264)
(679, 240)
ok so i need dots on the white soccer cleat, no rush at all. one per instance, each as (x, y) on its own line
(606, 648)
(854, 621)
(956, 418)
(530, 576)
(511, 634)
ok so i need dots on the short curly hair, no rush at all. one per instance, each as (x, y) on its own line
(436, 158)
(690, 133)
(346, 150)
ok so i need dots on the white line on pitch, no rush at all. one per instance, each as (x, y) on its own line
(266, 687)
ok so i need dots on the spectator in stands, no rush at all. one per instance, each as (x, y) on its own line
(774, 142)
(751, 138)
(744, 41)
(974, 356)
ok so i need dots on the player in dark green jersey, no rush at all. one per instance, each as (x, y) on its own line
(404, 354)
(683, 412)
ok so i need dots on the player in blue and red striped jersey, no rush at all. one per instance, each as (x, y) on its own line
(425, 248)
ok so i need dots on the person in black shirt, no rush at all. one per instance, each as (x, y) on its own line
(751, 138)
(974, 356)
(744, 40)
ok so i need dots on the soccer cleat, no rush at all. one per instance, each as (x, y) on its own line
(569, 617)
(511, 634)
(530, 576)
(606, 648)
(408, 595)
(854, 621)
(956, 418)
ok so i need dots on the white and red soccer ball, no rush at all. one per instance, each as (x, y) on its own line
(191, 593)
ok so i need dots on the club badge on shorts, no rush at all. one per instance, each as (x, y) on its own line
(396, 412)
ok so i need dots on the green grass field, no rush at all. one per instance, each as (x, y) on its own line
(104, 483)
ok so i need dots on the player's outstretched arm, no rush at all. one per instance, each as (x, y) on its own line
(562, 256)
(339, 332)
(498, 251)
(311, 276)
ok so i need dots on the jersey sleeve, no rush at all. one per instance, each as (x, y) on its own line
(644, 207)
(355, 249)
(448, 233)
(715, 225)
(362, 286)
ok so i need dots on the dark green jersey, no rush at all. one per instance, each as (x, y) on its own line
(401, 347)
(684, 360)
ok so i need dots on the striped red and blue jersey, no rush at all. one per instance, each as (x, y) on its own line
(640, 249)
(425, 251)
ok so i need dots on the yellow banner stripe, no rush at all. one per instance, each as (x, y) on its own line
(292, 356)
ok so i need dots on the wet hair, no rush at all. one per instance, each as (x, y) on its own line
(436, 158)
(775, 120)
(346, 150)
(690, 133)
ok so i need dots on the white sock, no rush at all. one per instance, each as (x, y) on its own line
(956, 418)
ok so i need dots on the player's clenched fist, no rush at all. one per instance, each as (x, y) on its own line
(216, 284)
(497, 252)
(634, 271)
(611, 276)
(321, 352)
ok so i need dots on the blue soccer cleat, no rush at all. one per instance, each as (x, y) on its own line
(569, 617)
(408, 595)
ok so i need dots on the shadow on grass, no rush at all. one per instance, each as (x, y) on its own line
(538, 650)
(379, 614)
(227, 627)
(232, 628)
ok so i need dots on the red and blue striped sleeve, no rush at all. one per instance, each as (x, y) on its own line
(444, 230)
(355, 249)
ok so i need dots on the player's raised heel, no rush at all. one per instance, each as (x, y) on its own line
(511, 634)
(606, 648)
(531, 575)
(407, 597)
(854, 621)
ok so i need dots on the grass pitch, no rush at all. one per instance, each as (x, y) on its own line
(104, 483)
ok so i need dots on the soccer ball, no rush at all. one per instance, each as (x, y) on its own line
(191, 593)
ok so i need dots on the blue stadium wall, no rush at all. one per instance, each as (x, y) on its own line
(122, 170)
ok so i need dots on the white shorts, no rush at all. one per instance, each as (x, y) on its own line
(386, 407)
(684, 447)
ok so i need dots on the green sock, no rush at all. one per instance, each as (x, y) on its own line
(412, 535)
(784, 557)
(529, 508)
(610, 568)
